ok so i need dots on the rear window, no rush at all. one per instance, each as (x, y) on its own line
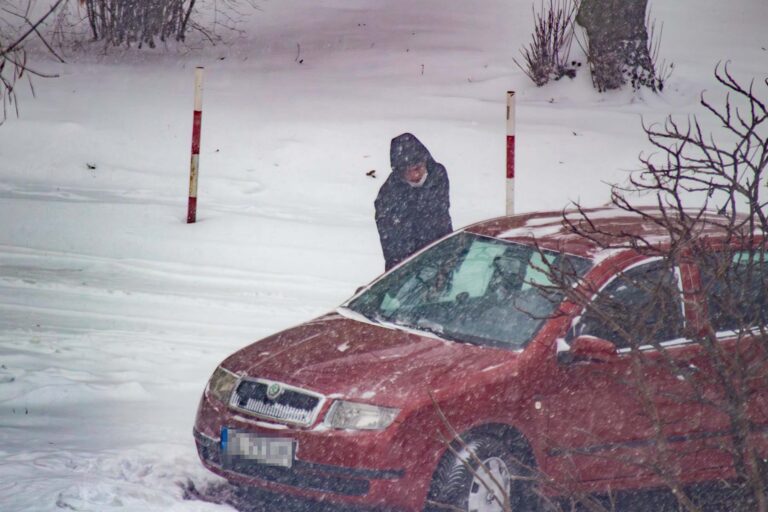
(735, 286)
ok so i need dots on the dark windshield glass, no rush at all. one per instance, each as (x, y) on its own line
(470, 288)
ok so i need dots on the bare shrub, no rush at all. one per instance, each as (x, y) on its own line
(15, 32)
(702, 396)
(149, 22)
(547, 56)
(138, 21)
(689, 364)
(660, 70)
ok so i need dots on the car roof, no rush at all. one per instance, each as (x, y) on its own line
(550, 231)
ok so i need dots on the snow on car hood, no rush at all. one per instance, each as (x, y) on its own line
(345, 358)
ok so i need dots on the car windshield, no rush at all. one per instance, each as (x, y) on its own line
(471, 288)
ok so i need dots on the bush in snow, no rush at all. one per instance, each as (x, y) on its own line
(547, 56)
(140, 22)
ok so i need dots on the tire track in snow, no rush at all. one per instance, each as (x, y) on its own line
(301, 213)
(106, 354)
(49, 288)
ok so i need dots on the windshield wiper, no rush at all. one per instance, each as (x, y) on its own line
(433, 327)
(430, 326)
(422, 324)
(359, 316)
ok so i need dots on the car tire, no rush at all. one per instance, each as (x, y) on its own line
(458, 483)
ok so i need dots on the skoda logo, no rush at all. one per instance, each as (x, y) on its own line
(274, 390)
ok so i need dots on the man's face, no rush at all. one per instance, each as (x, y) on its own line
(416, 173)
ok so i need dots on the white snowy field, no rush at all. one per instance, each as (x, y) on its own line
(114, 311)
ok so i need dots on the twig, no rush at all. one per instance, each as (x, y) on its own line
(33, 28)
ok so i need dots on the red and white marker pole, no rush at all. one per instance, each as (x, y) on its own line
(510, 152)
(194, 166)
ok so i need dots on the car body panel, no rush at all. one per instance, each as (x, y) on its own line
(371, 358)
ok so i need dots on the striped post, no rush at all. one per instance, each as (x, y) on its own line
(197, 120)
(510, 152)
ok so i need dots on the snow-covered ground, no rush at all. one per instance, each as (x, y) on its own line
(114, 312)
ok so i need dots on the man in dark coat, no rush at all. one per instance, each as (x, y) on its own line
(412, 205)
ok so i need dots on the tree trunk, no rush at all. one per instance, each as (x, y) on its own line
(618, 43)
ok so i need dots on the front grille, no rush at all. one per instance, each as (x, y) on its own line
(293, 405)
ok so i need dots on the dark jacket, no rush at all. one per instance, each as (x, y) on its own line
(408, 217)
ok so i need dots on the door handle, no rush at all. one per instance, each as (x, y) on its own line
(686, 369)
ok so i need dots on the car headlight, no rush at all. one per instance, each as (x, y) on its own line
(221, 384)
(350, 415)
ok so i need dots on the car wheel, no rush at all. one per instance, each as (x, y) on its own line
(461, 483)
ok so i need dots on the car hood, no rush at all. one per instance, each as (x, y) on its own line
(346, 358)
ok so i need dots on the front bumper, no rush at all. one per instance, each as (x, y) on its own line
(302, 475)
(367, 470)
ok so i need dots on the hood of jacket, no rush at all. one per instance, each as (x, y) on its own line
(405, 151)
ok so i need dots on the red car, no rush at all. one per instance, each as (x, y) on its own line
(360, 406)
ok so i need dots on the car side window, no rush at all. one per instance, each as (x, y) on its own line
(639, 307)
(736, 292)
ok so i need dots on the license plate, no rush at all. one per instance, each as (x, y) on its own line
(246, 446)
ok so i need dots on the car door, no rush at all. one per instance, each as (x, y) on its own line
(735, 286)
(603, 416)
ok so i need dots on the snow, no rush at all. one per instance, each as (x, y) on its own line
(114, 312)
(536, 228)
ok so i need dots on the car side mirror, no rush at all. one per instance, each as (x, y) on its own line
(589, 348)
